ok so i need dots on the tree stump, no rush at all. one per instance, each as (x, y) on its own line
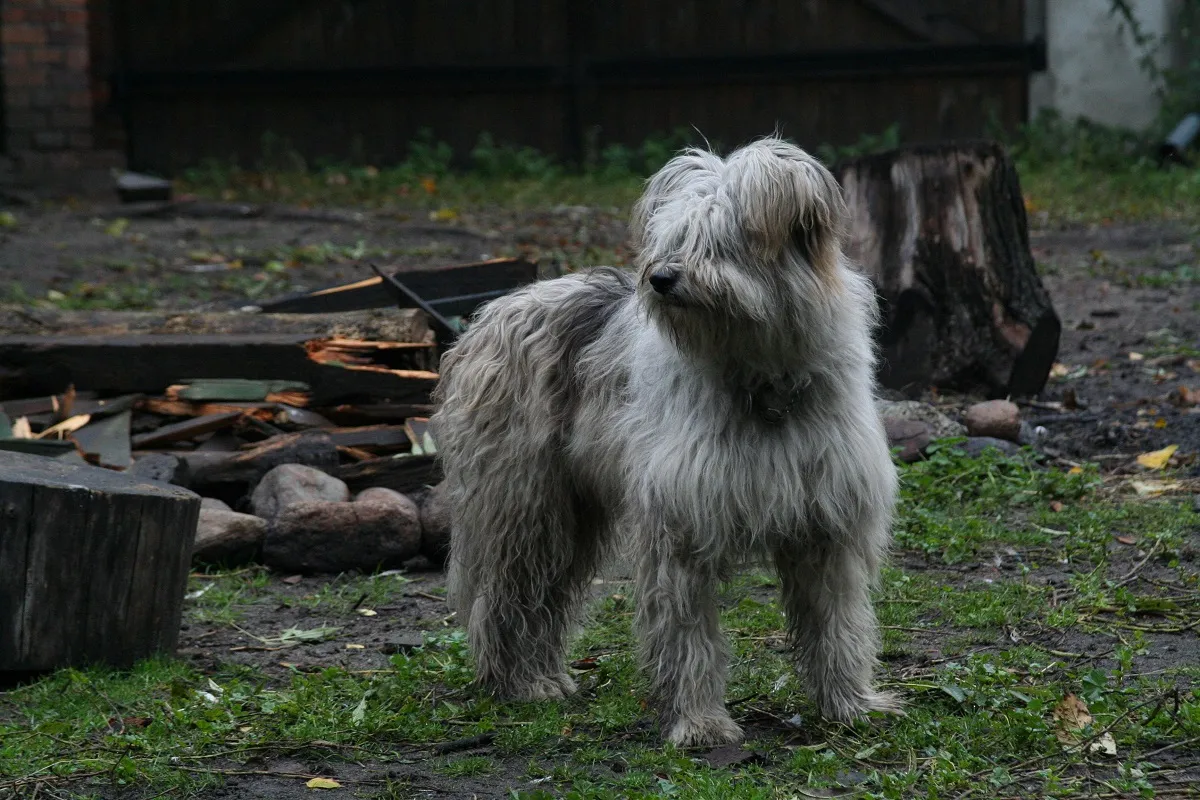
(941, 230)
(94, 564)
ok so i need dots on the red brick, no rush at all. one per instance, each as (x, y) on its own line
(23, 33)
(48, 55)
(69, 79)
(16, 57)
(18, 98)
(79, 99)
(69, 118)
(26, 77)
(77, 58)
(49, 140)
(25, 120)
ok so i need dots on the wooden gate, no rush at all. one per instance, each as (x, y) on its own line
(359, 79)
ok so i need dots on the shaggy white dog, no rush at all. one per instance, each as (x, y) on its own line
(715, 410)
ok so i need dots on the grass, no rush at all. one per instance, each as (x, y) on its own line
(984, 658)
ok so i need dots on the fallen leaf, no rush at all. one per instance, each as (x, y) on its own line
(1127, 539)
(117, 227)
(429, 185)
(1153, 488)
(1157, 459)
(1071, 716)
(7, 219)
(21, 429)
(1060, 370)
(367, 612)
(1075, 471)
(1160, 423)
(356, 647)
(444, 215)
(292, 580)
(1184, 397)
(1136, 356)
(323, 783)
(1056, 506)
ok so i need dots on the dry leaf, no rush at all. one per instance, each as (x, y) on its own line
(21, 429)
(1072, 717)
(1127, 539)
(1160, 423)
(367, 612)
(356, 647)
(1056, 506)
(1157, 459)
(323, 783)
(1136, 356)
(1153, 488)
(1076, 470)
(1060, 370)
(67, 426)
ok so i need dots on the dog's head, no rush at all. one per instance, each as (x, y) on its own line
(729, 246)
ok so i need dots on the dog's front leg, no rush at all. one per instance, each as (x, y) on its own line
(826, 595)
(682, 648)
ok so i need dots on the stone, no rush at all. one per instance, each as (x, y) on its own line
(327, 537)
(435, 525)
(214, 503)
(1000, 419)
(975, 446)
(289, 484)
(162, 467)
(227, 537)
(940, 425)
(910, 435)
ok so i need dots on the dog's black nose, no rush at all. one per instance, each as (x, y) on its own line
(663, 280)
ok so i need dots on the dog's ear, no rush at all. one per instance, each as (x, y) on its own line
(787, 198)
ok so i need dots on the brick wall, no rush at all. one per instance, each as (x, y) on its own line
(47, 79)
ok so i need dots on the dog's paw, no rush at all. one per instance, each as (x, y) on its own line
(548, 687)
(714, 730)
(847, 708)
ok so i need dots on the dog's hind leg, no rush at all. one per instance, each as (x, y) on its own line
(528, 579)
(826, 596)
(682, 648)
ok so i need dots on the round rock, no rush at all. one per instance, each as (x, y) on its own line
(910, 435)
(289, 484)
(227, 537)
(317, 537)
(999, 419)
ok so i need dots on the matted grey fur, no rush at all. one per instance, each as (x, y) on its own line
(716, 409)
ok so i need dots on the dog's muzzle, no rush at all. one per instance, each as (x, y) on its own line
(663, 280)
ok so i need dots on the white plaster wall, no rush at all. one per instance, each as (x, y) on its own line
(1093, 64)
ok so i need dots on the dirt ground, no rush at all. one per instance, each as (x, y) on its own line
(1128, 297)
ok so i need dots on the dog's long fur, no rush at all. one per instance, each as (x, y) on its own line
(729, 419)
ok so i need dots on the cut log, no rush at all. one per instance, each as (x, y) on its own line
(407, 475)
(245, 469)
(95, 564)
(941, 230)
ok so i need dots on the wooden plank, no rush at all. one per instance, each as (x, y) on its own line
(452, 291)
(149, 363)
(187, 429)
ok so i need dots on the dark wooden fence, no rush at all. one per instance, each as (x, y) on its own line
(359, 78)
